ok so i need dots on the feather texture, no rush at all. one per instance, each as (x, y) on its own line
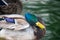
(32, 19)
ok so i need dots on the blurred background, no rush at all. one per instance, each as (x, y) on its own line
(49, 10)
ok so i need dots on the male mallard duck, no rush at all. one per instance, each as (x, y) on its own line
(16, 27)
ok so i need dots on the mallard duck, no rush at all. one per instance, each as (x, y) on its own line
(14, 26)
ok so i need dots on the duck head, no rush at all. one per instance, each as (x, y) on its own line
(37, 24)
(34, 21)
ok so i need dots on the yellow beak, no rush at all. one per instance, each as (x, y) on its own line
(40, 25)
